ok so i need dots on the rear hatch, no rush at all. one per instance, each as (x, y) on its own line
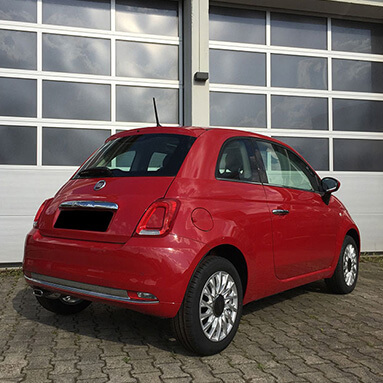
(106, 198)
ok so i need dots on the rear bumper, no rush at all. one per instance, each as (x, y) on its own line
(113, 273)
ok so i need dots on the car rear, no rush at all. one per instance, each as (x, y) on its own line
(106, 235)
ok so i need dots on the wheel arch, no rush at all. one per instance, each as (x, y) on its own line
(355, 236)
(235, 256)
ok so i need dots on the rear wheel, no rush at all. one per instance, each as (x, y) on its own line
(346, 273)
(65, 305)
(211, 310)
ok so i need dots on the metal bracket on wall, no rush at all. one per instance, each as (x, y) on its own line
(201, 76)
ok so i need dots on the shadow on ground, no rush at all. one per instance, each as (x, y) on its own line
(115, 324)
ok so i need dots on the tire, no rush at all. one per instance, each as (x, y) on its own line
(209, 317)
(59, 306)
(346, 272)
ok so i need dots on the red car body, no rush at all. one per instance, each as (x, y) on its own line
(272, 253)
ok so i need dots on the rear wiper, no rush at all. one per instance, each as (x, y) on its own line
(94, 172)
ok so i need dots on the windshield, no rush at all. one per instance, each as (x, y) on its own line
(146, 155)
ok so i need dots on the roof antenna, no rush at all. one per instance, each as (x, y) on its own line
(156, 113)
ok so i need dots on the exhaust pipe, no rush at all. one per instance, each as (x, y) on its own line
(45, 293)
(38, 292)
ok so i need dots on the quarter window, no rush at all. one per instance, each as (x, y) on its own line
(284, 168)
(237, 162)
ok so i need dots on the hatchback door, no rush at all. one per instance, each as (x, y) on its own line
(106, 198)
(304, 226)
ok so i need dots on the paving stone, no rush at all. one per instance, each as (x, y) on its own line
(303, 335)
(37, 376)
(10, 371)
(284, 375)
(269, 379)
(15, 359)
(163, 357)
(330, 370)
(254, 371)
(65, 354)
(117, 362)
(374, 366)
(282, 353)
(111, 349)
(64, 367)
(314, 377)
(142, 366)
(118, 375)
(92, 371)
(202, 375)
(220, 366)
(177, 380)
(297, 366)
(365, 375)
(231, 378)
(190, 362)
(38, 362)
(151, 377)
(139, 354)
(172, 370)
(92, 380)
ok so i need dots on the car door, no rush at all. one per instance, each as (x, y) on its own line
(304, 226)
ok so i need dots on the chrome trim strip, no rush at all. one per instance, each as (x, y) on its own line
(89, 205)
(90, 290)
(81, 285)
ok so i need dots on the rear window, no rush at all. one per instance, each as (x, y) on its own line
(146, 155)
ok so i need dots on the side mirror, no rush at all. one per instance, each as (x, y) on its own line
(330, 185)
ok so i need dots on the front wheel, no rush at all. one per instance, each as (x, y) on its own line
(346, 272)
(211, 310)
(65, 305)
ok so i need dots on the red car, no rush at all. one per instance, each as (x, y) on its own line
(190, 224)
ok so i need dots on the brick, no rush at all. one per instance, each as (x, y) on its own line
(172, 370)
(231, 377)
(38, 362)
(37, 376)
(91, 371)
(202, 375)
(151, 377)
(64, 367)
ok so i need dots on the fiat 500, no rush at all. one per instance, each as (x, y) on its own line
(190, 224)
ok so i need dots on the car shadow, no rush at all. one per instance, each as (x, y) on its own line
(318, 287)
(133, 329)
(103, 322)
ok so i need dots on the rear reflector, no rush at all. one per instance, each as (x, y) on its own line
(138, 295)
(159, 218)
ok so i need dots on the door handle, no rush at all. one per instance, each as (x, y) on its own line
(280, 212)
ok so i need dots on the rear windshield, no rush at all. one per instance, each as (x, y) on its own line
(146, 155)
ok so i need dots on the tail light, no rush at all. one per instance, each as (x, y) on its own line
(39, 212)
(159, 218)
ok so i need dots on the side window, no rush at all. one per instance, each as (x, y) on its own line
(237, 161)
(157, 161)
(124, 161)
(284, 168)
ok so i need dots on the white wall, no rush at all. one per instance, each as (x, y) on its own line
(23, 190)
(362, 194)
(21, 193)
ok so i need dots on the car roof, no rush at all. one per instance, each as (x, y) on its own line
(189, 131)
